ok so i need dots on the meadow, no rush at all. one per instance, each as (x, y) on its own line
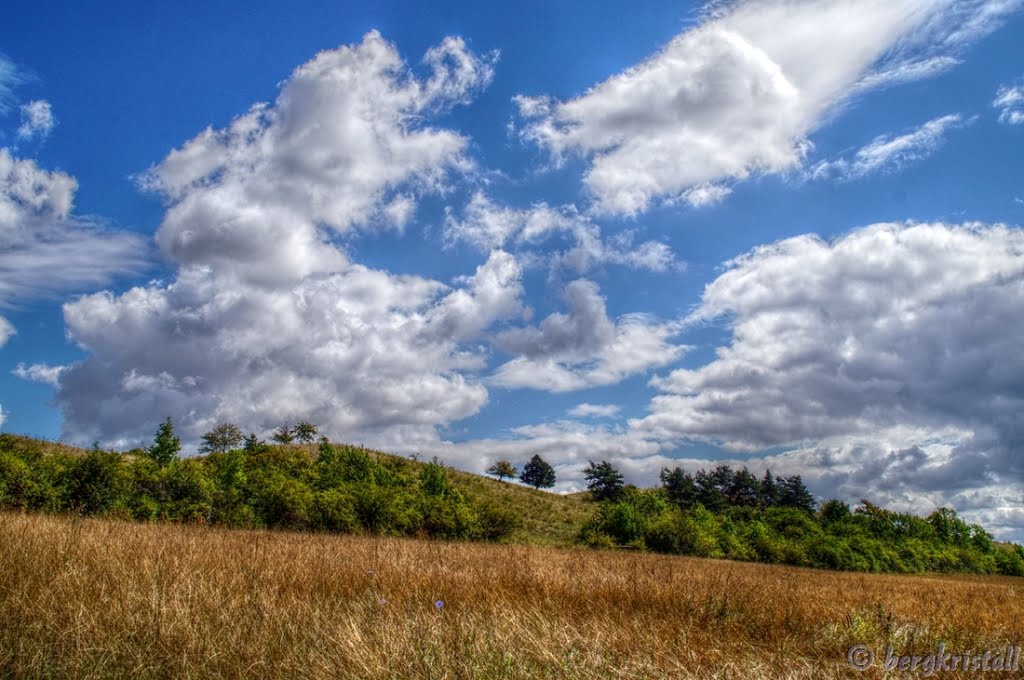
(103, 598)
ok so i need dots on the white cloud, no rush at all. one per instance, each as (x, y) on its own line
(42, 373)
(585, 410)
(1010, 102)
(888, 153)
(37, 120)
(10, 78)
(705, 195)
(44, 248)
(3, 416)
(938, 43)
(901, 72)
(343, 146)
(6, 331)
(739, 94)
(367, 355)
(732, 97)
(266, 319)
(889, 354)
(584, 348)
(486, 225)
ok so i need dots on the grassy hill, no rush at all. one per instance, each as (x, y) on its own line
(545, 518)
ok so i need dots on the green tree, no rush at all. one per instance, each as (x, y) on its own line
(502, 469)
(221, 439)
(793, 494)
(166, 446)
(283, 434)
(304, 432)
(833, 511)
(434, 478)
(538, 474)
(769, 491)
(679, 487)
(253, 444)
(743, 489)
(603, 481)
(97, 483)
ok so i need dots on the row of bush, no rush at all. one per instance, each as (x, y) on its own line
(833, 536)
(330, 488)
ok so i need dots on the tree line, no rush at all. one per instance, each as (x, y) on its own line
(728, 513)
(242, 481)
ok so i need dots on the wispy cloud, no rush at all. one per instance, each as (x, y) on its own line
(10, 78)
(889, 153)
(1010, 102)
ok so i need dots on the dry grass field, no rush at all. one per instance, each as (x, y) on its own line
(106, 599)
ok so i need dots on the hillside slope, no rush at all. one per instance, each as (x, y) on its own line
(545, 518)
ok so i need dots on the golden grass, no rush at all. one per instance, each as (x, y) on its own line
(104, 599)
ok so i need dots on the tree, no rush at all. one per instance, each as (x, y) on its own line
(603, 481)
(769, 490)
(305, 432)
(744, 489)
(833, 511)
(538, 474)
(709, 487)
(253, 444)
(793, 494)
(679, 487)
(166, 446)
(221, 439)
(502, 469)
(283, 434)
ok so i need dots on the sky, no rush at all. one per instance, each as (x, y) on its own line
(776, 233)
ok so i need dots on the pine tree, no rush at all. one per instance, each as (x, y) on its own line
(166, 446)
(769, 490)
(603, 481)
(679, 487)
(538, 474)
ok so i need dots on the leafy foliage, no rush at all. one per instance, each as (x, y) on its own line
(340, 488)
(718, 514)
(224, 437)
(538, 473)
(604, 482)
(502, 469)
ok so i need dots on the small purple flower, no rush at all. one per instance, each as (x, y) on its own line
(383, 601)
(439, 605)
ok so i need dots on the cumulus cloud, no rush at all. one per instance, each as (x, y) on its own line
(267, 319)
(739, 94)
(343, 146)
(487, 225)
(41, 373)
(44, 248)
(584, 348)
(37, 120)
(888, 153)
(586, 410)
(3, 416)
(1010, 102)
(886, 355)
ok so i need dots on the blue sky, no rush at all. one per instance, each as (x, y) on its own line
(781, 234)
